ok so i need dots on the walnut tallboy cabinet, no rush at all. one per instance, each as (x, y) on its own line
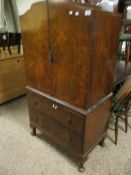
(70, 54)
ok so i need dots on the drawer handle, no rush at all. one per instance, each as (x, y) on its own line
(54, 106)
(69, 120)
(35, 103)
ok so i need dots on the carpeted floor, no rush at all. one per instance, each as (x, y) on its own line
(23, 154)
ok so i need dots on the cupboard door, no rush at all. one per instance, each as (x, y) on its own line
(34, 26)
(71, 33)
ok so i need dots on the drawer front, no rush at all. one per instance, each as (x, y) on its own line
(56, 111)
(8, 66)
(54, 129)
(11, 75)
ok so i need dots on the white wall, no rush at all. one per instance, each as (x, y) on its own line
(11, 16)
(129, 13)
(25, 5)
(1, 15)
(107, 5)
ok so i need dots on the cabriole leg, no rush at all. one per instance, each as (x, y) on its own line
(102, 142)
(33, 133)
(81, 167)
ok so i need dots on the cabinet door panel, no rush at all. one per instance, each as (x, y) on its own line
(71, 33)
(34, 25)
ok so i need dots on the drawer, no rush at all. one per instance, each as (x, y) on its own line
(12, 77)
(8, 66)
(55, 129)
(56, 111)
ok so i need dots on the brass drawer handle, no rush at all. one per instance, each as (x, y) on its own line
(54, 106)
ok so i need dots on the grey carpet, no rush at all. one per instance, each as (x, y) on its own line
(22, 154)
(128, 167)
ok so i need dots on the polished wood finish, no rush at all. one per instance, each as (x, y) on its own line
(95, 45)
(46, 106)
(70, 63)
(67, 124)
(66, 86)
(35, 33)
(55, 129)
(12, 75)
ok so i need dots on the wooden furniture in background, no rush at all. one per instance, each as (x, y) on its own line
(70, 64)
(121, 74)
(10, 39)
(122, 102)
(125, 102)
(125, 38)
(12, 75)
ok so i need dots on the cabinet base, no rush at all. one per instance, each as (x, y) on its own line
(81, 158)
(33, 132)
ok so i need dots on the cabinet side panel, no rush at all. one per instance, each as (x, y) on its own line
(96, 125)
(104, 54)
(34, 26)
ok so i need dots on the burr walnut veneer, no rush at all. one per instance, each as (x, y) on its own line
(70, 58)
